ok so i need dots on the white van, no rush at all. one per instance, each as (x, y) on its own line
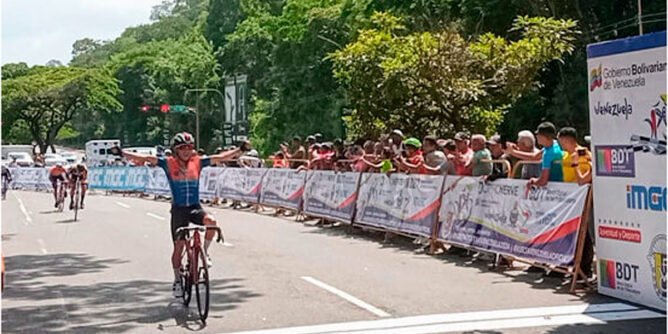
(98, 152)
(29, 149)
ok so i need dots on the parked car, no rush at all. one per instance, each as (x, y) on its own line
(22, 159)
(50, 162)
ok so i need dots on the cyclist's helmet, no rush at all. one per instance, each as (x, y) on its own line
(183, 138)
(59, 164)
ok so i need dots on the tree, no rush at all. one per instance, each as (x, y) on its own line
(47, 99)
(14, 70)
(438, 82)
(54, 63)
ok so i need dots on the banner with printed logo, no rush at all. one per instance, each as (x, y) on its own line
(241, 184)
(504, 217)
(208, 181)
(400, 202)
(283, 188)
(627, 104)
(118, 178)
(157, 182)
(30, 178)
(331, 195)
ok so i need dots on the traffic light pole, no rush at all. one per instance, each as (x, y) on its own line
(200, 90)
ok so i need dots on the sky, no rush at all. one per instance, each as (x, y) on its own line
(36, 31)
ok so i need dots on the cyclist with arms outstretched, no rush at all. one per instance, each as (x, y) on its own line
(183, 170)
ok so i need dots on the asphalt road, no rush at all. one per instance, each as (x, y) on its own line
(110, 272)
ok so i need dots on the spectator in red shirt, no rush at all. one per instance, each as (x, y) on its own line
(279, 160)
(463, 155)
(414, 161)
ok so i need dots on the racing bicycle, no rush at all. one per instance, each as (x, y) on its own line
(194, 269)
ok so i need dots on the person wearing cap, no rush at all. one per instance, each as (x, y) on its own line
(279, 160)
(250, 159)
(480, 164)
(414, 160)
(318, 138)
(499, 170)
(435, 160)
(395, 140)
(552, 155)
(463, 155)
(576, 164)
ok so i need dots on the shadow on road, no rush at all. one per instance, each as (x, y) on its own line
(645, 326)
(31, 305)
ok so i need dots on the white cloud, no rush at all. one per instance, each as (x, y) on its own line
(36, 31)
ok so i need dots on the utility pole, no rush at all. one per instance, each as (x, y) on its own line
(640, 16)
(201, 90)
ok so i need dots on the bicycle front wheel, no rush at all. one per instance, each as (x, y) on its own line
(76, 202)
(202, 287)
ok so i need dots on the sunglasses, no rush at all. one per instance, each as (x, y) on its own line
(185, 148)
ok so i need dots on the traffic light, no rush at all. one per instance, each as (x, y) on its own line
(166, 108)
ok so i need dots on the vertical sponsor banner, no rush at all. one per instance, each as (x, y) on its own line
(331, 195)
(401, 202)
(242, 184)
(503, 217)
(119, 178)
(157, 182)
(283, 187)
(207, 182)
(627, 109)
(30, 178)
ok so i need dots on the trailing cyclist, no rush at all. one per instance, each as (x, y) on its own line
(183, 170)
(57, 173)
(6, 179)
(78, 173)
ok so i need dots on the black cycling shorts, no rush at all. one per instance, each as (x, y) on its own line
(54, 179)
(183, 215)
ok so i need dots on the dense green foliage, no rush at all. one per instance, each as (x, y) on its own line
(339, 67)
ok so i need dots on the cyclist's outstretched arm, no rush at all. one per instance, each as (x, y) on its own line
(140, 159)
(229, 155)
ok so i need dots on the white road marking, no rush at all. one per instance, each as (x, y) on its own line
(123, 205)
(227, 244)
(42, 247)
(480, 321)
(153, 215)
(347, 297)
(23, 209)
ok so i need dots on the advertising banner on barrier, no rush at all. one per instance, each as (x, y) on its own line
(157, 182)
(207, 182)
(401, 202)
(30, 178)
(540, 224)
(241, 184)
(283, 187)
(331, 195)
(627, 110)
(118, 178)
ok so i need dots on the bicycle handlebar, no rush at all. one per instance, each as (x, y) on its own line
(204, 228)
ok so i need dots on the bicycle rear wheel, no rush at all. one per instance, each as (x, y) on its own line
(202, 287)
(61, 197)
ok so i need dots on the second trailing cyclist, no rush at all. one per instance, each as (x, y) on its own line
(80, 173)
